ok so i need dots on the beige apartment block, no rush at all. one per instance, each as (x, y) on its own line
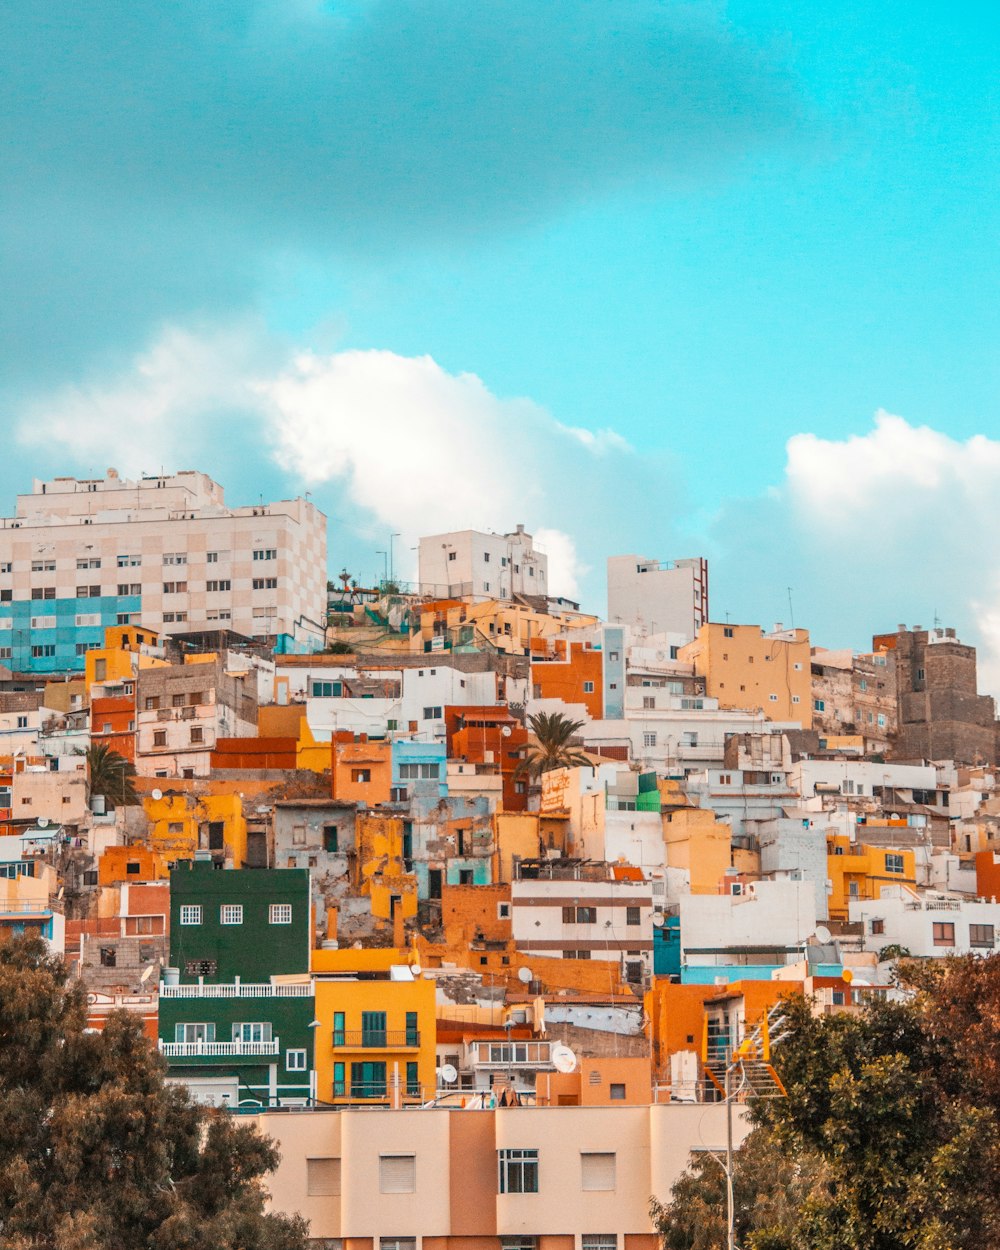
(745, 667)
(519, 1178)
(79, 555)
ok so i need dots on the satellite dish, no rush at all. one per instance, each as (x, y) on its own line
(156, 795)
(147, 973)
(506, 731)
(416, 969)
(524, 975)
(658, 920)
(563, 1059)
(448, 1074)
(42, 822)
(823, 935)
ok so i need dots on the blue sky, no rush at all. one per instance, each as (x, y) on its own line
(640, 275)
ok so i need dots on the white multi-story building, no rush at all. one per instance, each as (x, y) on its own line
(469, 564)
(80, 555)
(928, 924)
(655, 597)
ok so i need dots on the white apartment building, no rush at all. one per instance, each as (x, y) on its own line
(927, 925)
(658, 597)
(469, 564)
(79, 555)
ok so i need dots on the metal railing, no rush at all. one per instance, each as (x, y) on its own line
(237, 989)
(211, 1050)
(377, 1039)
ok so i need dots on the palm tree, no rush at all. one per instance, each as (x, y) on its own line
(552, 748)
(111, 775)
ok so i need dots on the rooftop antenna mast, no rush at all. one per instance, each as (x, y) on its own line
(791, 610)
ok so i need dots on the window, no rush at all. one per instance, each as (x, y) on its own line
(191, 913)
(617, 1093)
(588, 687)
(265, 553)
(191, 1032)
(432, 713)
(43, 566)
(295, 1060)
(88, 562)
(152, 702)
(881, 719)
(22, 723)
(522, 1242)
(129, 588)
(129, 562)
(981, 935)
(633, 915)
(397, 1243)
(322, 1177)
(773, 698)
(649, 739)
(175, 557)
(368, 1080)
(211, 557)
(795, 698)
(280, 913)
(598, 1171)
(572, 955)
(127, 618)
(413, 1079)
(361, 775)
(518, 1171)
(397, 1174)
(43, 622)
(920, 674)
(109, 957)
(231, 913)
(944, 933)
(175, 588)
(265, 583)
(452, 555)
(648, 701)
(727, 632)
(878, 927)
(819, 705)
(159, 737)
(214, 587)
(41, 652)
(252, 1031)
(579, 915)
(894, 863)
(599, 1241)
(7, 653)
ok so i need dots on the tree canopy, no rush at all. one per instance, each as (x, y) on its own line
(96, 1151)
(553, 744)
(889, 1138)
(111, 774)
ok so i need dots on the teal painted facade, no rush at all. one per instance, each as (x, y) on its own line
(667, 948)
(62, 646)
(225, 1023)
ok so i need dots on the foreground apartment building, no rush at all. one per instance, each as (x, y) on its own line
(516, 1178)
(166, 552)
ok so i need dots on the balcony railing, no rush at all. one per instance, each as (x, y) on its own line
(239, 989)
(222, 1050)
(372, 1039)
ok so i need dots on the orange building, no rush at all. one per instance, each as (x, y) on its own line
(361, 769)
(599, 1081)
(988, 874)
(112, 720)
(120, 865)
(571, 671)
(490, 735)
(255, 753)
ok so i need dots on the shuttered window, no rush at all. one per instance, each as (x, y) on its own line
(598, 1171)
(322, 1178)
(397, 1174)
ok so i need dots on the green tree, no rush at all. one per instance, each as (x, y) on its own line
(892, 1124)
(552, 747)
(96, 1151)
(111, 774)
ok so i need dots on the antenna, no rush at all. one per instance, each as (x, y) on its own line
(524, 975)
(448, 1074)
(563, 1059)
(42, 822)
(791, 610)
(823, 935)
(156, 795)
(146, 974)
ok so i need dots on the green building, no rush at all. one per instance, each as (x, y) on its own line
(237, 1005)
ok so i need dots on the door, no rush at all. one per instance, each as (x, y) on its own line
(434, 883)
(373, 1028)
(216, 838)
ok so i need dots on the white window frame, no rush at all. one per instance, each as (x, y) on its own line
(296, 1060)
(279, 913)
(191, 913)
(231, 913)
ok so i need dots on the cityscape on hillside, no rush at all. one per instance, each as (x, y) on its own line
(457, 846)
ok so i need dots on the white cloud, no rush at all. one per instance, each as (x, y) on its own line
(412, 447)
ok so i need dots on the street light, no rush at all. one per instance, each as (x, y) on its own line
(392, 570)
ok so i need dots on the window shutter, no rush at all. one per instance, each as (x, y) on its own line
(323, 1178)
(397, 1174)
(598, 1171)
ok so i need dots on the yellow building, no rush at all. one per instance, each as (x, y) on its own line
(379, 868)
(507, 626)
(745, 668)
(182, 823)
(700, 845)
(376, 1038)
(527, 835)
(127, 648)
(858, 871)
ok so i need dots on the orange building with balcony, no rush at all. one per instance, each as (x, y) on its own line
(490, 735)
(361, 769)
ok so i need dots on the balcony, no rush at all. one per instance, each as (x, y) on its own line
(238, 989)
(218, 1050)
(385, 1039)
